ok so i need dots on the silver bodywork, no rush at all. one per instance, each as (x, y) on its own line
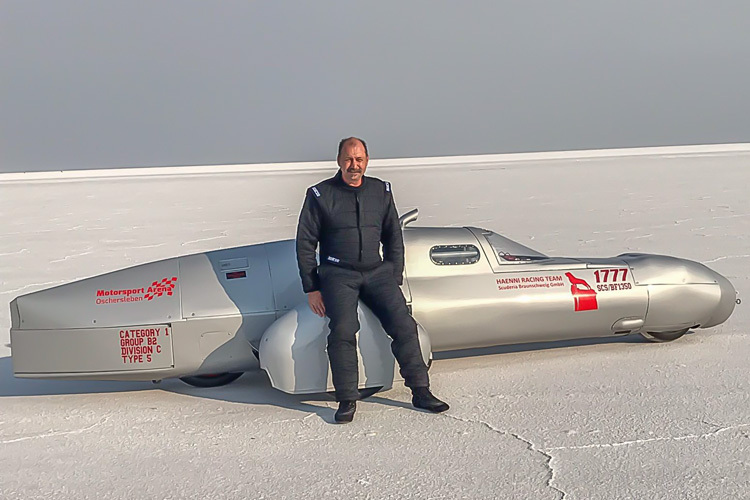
(467, 287)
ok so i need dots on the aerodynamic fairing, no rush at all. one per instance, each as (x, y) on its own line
(209, 317)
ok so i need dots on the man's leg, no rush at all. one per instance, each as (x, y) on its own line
(340, 290)
(381, 293)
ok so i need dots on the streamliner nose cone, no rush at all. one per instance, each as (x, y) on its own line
(726, 303)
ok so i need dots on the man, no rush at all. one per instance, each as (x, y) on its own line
(350, 215)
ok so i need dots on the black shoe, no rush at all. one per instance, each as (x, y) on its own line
(423, 398)
(345, 413)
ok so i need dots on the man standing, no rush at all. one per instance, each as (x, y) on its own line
(350, 215)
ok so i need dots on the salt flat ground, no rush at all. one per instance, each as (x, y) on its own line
(616, 418)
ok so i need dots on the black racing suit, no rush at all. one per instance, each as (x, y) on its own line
(350, 223)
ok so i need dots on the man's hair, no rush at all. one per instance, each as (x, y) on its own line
(344, 141)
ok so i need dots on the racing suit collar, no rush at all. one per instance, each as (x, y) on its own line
(340, 181)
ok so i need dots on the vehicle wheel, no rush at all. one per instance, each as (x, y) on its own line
(212, 380)
(369, 391)
(665, 336)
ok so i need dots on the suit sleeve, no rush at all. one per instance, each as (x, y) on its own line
(393, 239)
(308, 235)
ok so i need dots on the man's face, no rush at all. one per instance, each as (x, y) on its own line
(353, 162)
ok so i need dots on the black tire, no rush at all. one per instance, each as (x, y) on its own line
(213, 380)
(665, 336)
(369, 391)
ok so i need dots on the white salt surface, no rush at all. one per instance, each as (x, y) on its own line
(595, 419)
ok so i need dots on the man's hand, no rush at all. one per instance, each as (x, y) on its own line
(315, 299)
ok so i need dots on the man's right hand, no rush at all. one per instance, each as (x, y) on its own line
(315, 299)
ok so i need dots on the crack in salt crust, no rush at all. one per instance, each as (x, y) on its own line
(55, 434)
(529, 445)
(686, 437)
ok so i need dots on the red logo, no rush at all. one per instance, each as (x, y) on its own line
(159, 288)
(583, 295)
(125, 295)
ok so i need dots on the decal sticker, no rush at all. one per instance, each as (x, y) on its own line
(612, 280)
(142, 345)
(125, 295)
(315, 190)
(159, 288)
(236, 274)
(584, 297)
(586, 285)
(525, 282)
(334, 259)
(388, 187)
(229, 264)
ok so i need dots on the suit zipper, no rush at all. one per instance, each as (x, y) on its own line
(359, 228)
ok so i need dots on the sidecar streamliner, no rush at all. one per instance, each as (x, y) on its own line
(209, 317)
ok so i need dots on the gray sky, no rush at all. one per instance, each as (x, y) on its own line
(99, 84)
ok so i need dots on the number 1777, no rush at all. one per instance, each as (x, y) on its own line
(603, 275)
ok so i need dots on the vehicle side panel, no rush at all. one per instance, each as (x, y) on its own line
(287, 287)
(149, 293)
(673, 307)
(464, 306)
(226, 282)
(88, 350)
